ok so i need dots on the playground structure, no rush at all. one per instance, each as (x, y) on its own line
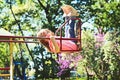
(6, 33)
(11, 39)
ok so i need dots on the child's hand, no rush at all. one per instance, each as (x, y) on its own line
(55, 45)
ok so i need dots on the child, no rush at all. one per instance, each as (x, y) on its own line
(52, 44)
(69, 13)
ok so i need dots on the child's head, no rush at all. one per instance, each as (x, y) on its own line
(67, 9)
(44, 33)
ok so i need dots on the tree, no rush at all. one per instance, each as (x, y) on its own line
(105, 13)
(27, 17)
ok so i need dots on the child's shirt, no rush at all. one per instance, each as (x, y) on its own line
(65, 44)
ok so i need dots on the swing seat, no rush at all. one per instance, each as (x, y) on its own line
(77, 30)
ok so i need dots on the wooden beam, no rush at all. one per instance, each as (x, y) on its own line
(3, 75)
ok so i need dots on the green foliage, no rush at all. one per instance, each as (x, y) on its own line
(4, 59)
(33, 15)
(103, 60)
(105, 13)
(45, 64)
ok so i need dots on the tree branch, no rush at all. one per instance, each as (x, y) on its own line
(41, 5)
(21, 31)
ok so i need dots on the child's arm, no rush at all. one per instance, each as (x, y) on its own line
(55, 45)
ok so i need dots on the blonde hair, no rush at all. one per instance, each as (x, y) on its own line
(42, 34)
(73, 11)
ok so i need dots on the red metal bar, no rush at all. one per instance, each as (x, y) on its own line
(19, 41)
(30, 37)
(6, 68)
(70, 50)
(61, 26)
(65, 23)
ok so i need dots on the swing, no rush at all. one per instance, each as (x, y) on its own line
(77, 38)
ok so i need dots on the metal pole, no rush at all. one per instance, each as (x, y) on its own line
(11, 59)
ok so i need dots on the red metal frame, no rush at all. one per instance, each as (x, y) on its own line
(6, 68)
(5, 38)
(60, 29)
